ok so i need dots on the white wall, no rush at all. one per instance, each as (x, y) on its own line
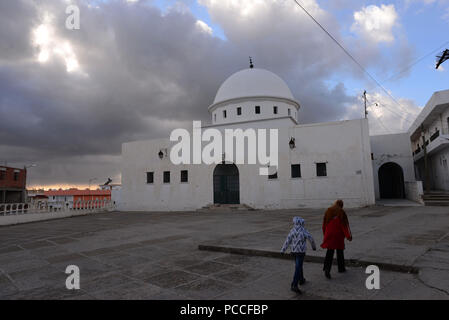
(438, 100)
(344, 145)
(393, 148)
(439, 169)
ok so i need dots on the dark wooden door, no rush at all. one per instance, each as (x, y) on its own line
(226, 184)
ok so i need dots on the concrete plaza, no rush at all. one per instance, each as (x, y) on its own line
(135, 255)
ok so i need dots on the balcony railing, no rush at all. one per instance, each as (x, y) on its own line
(417, 151)
(435, 135)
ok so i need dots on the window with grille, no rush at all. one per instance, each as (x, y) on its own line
(166, 176)
(184, 176)
(321, 170)
(296, 171)
(150, 177)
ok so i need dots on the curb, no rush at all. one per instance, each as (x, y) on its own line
(313, 259)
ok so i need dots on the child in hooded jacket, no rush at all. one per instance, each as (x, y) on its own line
(297, 238)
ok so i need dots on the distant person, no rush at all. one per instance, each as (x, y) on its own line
(297, 239)
(335, 230)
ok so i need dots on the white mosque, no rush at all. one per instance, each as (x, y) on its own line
(317, 163)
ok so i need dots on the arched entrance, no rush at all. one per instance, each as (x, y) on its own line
(226, 184)
(391, 181)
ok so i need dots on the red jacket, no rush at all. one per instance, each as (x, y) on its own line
(334, 234)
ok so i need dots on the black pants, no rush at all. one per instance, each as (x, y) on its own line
(330, 257)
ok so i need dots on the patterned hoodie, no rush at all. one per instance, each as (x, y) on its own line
(297, 237)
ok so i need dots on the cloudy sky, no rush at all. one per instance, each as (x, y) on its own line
(136, 69)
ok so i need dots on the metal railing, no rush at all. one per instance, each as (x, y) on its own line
(48, 207)
(435, 135)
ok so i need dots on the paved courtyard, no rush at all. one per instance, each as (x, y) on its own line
(155, 255)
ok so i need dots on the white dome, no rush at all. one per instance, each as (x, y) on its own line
(253, 83)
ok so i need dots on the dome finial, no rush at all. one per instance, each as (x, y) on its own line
(251, 63)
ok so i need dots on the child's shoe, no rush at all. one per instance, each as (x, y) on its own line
(296, 289)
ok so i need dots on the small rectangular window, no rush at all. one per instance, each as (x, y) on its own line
(184, 176)
(273, 176)
(289, 112)
(239, 111)
(150, 177)
(215, 117)
(166, 176)
(224, 113)
(321, 169)
(296, 171)
(16, 176)
(275, 110)
(257, 109)
(2, 174)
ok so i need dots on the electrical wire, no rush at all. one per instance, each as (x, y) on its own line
(416, 62)
(353, 59)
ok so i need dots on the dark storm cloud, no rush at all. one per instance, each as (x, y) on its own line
(142, 73)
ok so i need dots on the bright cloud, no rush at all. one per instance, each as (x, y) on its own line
(376, 23)
(49, 45)
(204, 27)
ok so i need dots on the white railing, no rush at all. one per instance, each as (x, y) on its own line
(47, 207)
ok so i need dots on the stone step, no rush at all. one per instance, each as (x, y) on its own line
(436, 197)
(436, 194)
(437, 203)
(226, 207)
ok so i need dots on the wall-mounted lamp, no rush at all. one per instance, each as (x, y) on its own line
(292, 143)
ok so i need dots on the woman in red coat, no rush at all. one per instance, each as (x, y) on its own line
(335, 230)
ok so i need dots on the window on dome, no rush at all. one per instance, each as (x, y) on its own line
(215, 117)
(289, 112)
(239, 111)
(275, 110)
(224, 113)
(257, 109)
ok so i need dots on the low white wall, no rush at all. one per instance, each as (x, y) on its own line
(414, 191)
(34, 217)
